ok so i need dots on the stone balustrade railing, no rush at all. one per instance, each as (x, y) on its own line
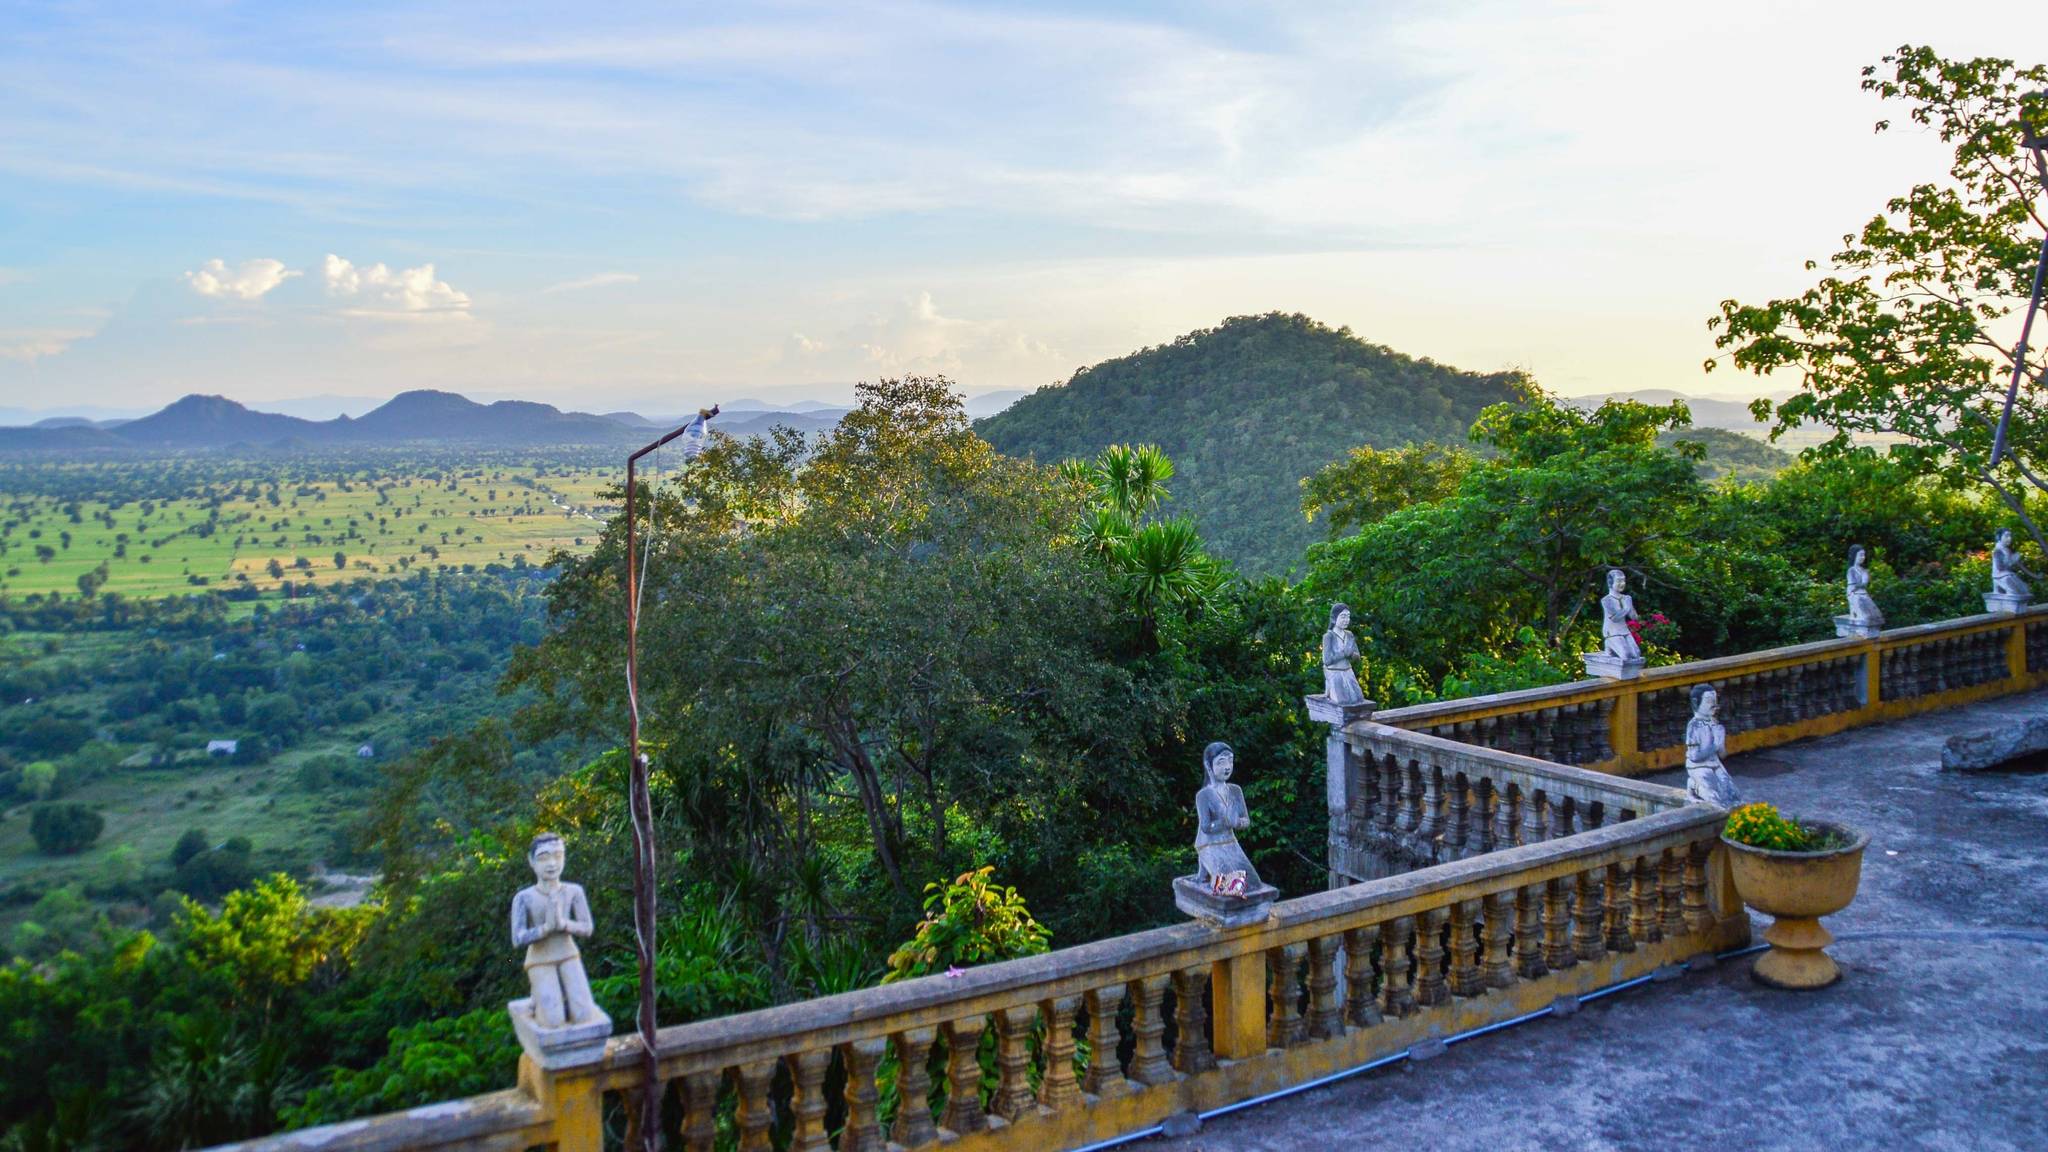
(1772, 697)
(1532, 881)
(1589, 882)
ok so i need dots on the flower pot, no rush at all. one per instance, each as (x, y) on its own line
(1796, 889)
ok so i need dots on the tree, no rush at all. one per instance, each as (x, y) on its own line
(65, 829)
(1370, 483)
(1911, 332)
(1565, 495)
(192, 843)
(341, 559)
(1157, 564)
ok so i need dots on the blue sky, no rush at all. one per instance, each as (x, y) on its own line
(659, 205)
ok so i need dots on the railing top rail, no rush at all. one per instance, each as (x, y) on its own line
(935, 999)
(1524, 699)
(444, 1124)
(1649, 797)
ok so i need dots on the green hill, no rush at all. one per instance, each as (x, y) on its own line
(1730, 453)
(1246, 409)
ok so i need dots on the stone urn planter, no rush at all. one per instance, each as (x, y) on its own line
(1796, 889)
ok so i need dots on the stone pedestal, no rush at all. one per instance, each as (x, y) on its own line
(2000, 602)
(1612, 667)
(1225, 911)
(1848, 627)
(565, 1047)
(1326, 711)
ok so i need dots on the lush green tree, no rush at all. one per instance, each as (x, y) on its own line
(1912, 331)
(1157, 564)
(64, 829)
(1369, 483)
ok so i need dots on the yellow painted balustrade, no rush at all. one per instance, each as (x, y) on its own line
(1596, 881)
(1631, 727)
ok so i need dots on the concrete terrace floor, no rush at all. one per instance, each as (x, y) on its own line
(1935, 1038)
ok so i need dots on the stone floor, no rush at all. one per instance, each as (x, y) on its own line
(1936, 1037)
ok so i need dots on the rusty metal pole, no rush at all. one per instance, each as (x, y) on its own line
(640, 805)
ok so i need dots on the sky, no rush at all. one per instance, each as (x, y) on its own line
(663, 205)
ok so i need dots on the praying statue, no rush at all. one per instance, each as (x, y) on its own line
(1706, 779)
(546, 919)
(1220, 815)
(1617, 608)
(1340, 648)
(1863, 611)
(2006, 575)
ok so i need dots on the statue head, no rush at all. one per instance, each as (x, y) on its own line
(2005, 537)
(547, 854)
(1217, 762)
(1706, 701)
(1340, 615)
(1856, 555)
(1616, 580)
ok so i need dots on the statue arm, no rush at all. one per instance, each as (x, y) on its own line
(523, 934)
(1242, 813)
(579, 922)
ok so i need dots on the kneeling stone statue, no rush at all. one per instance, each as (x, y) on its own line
(1706, 778)
(560, 1024)
(1225, 887)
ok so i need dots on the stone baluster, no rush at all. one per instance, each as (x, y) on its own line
(1284, 1026)
(1697, 917)
(1191, 1051)
(1361, 1007)
(1057, 1087)
(700, 1109)
(807, 1101)
(1535, 809)
(1563, 811)
(963, 1112)
(1588, 939)
(1430, 987)
(1325, 1011)
(1431, 825)
(914, 1127)
(756, 1111)
(1149, 1064)
(1496, 969)
(1505, 816)
(1013, 1098)
(1545, 729)
(863, 1131)
(1397, 999)
(1557, 940)
(1642, 921)
(1105, 1078)
(1670, 892)
(1464, 977)
(1456, 833)
(1412, 793)
(1529, 932)
(1392, 807)
(1618, 908)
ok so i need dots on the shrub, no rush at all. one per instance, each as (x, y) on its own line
(65, 829)
(1760, 826)
(970, 921)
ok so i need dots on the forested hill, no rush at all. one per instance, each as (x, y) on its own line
(1246, 409)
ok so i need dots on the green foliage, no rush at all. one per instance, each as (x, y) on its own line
(1907, 334)
(1246, 410)
(1760, 826)
(65, 829)
(438, 1058)
(1157, 566)
(1728, 455)
(1368, 483)
(969, 921)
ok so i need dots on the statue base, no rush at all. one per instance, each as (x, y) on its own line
(2000, 602)
(1324, 710)
(1225, 911)
(1849, 627)
(569, 1046)
(1612, 667)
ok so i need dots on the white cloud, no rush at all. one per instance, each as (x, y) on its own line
(601, 280)
(29, 346)
(375, 290)
(13, 276)
(249, 280)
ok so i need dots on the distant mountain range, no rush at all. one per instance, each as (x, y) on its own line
(211, 423)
